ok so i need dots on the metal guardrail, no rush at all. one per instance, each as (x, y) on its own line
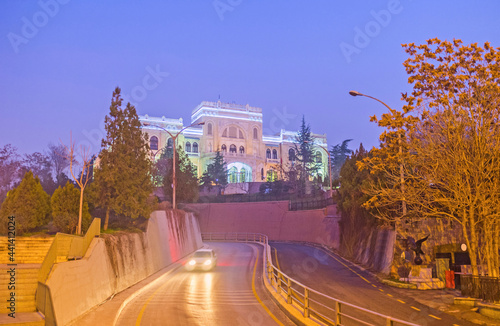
(314, 305)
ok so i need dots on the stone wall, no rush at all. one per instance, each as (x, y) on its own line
(116, 262)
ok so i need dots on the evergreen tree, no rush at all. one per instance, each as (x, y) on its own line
(216, 173)
(304, 149)
(29, 203)
(339, 154)
(187, 188)
(65, 203)
(350, 198)
(123, 180)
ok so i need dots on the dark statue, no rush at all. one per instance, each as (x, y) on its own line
(417, 247)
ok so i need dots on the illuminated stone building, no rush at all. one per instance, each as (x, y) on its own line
(236, 130)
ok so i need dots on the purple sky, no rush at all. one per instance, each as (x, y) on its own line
(60, 60)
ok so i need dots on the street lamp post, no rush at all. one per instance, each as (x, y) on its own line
(174, 138)
(401, 173)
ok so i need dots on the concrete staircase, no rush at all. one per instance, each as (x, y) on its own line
(29, 255)
(27, 250)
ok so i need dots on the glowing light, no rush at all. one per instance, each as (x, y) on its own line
(192, 262)
(208, 262)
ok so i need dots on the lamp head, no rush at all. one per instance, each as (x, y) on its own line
(201, 123)
(354, 93)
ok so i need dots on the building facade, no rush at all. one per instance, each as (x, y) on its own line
(236, 130)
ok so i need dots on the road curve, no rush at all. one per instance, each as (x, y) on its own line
(231, 294)
(334, 277)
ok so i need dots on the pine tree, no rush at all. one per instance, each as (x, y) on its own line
(123, 180)
(29, 203)
(216, 173)
(65, 203)
(187, 188)
(339, 154)
(304, 148)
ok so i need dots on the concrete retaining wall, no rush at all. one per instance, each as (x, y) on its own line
(115, 262)
(271, 218)
(373, 247)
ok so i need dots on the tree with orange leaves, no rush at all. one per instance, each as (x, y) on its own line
(450, 132)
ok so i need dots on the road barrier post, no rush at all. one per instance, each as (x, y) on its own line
(337, 313)
(306, 303)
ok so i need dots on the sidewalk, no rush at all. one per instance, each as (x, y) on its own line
(107, 313)
(443, 300)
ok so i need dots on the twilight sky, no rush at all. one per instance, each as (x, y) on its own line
(61, 60)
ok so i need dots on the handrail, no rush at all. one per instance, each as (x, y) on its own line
(68, 246)
(44, 304)
(286, 287)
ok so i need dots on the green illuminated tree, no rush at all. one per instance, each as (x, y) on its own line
(123, 180)
(216, 173)
(305, 156)
(187, 187)
(29, 203)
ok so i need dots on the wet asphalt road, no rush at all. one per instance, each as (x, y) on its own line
(337, 278)
(224, 296)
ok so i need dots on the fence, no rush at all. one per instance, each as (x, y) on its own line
(310, 204)
(295, 204)
(313, 305)
(243, 198)
(480, 287)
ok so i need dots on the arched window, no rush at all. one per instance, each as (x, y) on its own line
(243, 175)
(232, 148)
(195, 147)
(319, 158)
(188, 147)
(232, 175)
(153, 143)
(255, 134)
(224, 133)
(291, 154)
(223, 148)
(262, 174)
(275, 154)
(242, 150)
(232, 132)
(210, 147)
(272, 175)
(170, 143)
(240, 134)
(268, 153)
(209, 129)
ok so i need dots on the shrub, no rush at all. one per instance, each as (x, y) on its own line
(29, 203)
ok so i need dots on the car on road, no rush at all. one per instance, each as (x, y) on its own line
(204, 259)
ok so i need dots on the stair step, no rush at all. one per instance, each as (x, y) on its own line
(23, 319)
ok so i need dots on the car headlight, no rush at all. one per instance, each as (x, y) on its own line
(192, 262)
(208, 262)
